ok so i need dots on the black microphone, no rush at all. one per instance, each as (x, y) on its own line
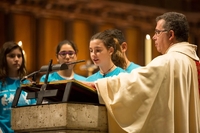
(75, 62)
(57, 67)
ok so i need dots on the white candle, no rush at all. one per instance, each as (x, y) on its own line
(20, 44)
(148, 49)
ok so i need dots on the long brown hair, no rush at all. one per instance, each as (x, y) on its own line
(7, 48)
(111, 41)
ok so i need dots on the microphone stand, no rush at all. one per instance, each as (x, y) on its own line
(49, 68)
(44, 86)
(33, 75)
(40, 93)
(49, 93)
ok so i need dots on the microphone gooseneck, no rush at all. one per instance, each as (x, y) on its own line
(51, 68)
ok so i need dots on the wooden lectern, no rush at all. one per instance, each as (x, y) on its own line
(59, 91)
(72, 108)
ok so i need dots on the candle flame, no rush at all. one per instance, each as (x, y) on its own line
(148, 37)
(20, 43)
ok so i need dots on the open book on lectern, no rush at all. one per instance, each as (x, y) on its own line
(72, 91)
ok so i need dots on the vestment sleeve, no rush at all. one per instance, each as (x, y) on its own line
(129, 97)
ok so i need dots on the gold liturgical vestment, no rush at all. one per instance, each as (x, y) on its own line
(161, 97)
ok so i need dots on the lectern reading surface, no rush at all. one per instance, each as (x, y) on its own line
(59, 91)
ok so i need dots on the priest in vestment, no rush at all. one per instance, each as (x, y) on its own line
(162, 97)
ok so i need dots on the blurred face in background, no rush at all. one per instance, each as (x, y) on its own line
(14, 60)
(66, 55)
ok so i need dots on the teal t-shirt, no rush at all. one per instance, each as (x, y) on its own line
(56, 77)
(98, 75)
(132, 66)
(7, 93)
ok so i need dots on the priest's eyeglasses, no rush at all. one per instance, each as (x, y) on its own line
(69, 53)
(158, 32)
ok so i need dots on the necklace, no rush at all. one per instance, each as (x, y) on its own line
(104, 74)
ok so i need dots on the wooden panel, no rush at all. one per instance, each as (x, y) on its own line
(135, 51)
(81, 36)
(2, 29)
(105, 27)
(23, 31)
(50, 33)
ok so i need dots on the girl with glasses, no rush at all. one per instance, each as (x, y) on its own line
(66, 52)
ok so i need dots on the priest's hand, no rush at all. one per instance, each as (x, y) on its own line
(90, 84)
